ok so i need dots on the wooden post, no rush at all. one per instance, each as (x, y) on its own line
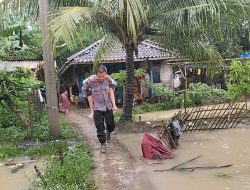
(49, 71)
(29, 112)
(185, 98)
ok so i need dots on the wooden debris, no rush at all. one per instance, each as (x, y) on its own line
(39, 174)
(61, 156)
(168, 137)
(204, 167)
(141, 159)
(12, 162)
(176, 167)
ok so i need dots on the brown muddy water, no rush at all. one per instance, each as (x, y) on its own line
(221, 147)
(22, 179)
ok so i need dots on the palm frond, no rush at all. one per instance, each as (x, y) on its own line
(135, 18)
(123, 18)
(13, 13)
(56, 4)
(107, 44)
(197, 50)
(196, 14)
(66, 22)
(190, 26)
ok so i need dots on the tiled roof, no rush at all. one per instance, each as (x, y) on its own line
(146, 50)
(12, 65)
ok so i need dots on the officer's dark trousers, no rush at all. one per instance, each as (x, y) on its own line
(99, 117)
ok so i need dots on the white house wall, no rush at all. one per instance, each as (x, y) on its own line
(166, 74)
(144, 90)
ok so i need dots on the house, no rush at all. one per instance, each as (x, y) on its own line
(151, 57)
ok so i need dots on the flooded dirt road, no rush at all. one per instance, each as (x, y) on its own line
(229, 146)
(115, 170)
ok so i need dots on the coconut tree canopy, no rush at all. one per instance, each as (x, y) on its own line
(183, 25)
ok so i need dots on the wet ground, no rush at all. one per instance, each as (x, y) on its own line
(21, 179)
(229, 146)
(123, 167)
(117, 169)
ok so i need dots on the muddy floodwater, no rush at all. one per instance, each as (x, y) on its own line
(221, 147)
(22, 179)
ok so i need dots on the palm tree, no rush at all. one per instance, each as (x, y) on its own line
(180, 24)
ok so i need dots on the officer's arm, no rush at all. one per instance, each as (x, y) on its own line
(112, 81)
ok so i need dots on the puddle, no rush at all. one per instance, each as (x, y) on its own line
(221, 147)
(22, 179)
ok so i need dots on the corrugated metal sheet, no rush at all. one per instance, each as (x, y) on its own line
(12, 65)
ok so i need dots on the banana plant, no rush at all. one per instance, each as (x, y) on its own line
(14, 87)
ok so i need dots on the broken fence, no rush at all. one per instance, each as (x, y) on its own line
(221, 116)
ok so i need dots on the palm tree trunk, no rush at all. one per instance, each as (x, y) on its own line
(129, 87)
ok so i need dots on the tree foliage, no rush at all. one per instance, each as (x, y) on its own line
(120, 77)
(14, 87)
(239, 79)
(21, 44)
(183, 26)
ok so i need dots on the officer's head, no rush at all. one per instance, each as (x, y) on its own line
(101, 73)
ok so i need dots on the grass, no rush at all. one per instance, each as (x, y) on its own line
(13, 137)
(144, 108)
(73, 174)
(224, 174)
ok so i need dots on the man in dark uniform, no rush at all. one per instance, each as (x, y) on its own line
(99, 86)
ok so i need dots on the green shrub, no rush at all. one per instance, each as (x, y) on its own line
(239, 80)
(47, 148)
(9, 150)
(200, 94)
(73, 174)
(13, 134)
(8, 118)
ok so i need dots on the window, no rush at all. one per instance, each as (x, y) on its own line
(155, 71)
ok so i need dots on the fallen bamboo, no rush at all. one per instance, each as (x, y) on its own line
(193, 140)
(174, 167)
(19, 162)
(204, 167)
(145, 162)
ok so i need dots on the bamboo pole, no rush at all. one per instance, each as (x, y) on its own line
(177, 166)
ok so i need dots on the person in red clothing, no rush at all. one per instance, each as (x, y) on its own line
(63, 100)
